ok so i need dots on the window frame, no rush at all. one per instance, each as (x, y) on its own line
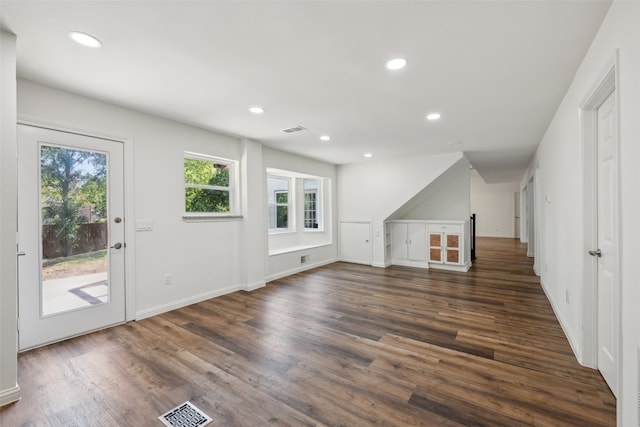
(318, 204)
(232, 189)
(290, 197)
(278, 204)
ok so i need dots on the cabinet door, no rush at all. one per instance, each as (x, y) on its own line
(417, 241)
(453, 247)
(435, 247)
(399, 241)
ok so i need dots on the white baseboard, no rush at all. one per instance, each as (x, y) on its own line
(408, 263)
(563, 325)
(149, 312)
(381, 264)
(300, 269)
(9, 395)
(253, 286)
(463, 268)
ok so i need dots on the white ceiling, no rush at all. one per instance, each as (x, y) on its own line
(496, 71)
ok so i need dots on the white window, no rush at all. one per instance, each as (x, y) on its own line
(279, 191)
(312, 204)
(209, 186)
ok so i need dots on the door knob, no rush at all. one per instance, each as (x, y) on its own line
(597, 253)
(117, 245)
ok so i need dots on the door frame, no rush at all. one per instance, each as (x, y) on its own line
(369, 254)
(129, 227)
(605, 85)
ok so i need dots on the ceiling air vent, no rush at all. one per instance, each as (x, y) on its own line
(294, 129)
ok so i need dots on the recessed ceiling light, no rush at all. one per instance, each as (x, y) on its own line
(368, 155)
(256, 110)
(396, 63)
(85, 39)
(325, 138)
(433, 116)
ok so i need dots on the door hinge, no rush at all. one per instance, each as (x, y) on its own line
(18, 325)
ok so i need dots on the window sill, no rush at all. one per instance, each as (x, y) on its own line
(313, 230)
(280, 232)
(211, 218)
(296, 249)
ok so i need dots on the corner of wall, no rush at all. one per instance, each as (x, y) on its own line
(9, 390)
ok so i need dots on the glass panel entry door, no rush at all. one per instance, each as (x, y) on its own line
(71, 235)
(73, 209)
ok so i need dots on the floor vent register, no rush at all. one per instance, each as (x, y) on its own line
(185, 415)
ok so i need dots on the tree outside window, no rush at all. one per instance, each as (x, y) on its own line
(208, 185)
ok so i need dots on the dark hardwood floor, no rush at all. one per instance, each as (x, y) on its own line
(343, 344)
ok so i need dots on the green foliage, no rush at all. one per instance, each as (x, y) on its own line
(282, 216)
(204, 173)
(69, 180)
(282, 197)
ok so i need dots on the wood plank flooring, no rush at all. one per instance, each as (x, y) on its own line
(341, 345)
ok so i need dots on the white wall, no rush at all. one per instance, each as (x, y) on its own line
(373, 190)
(202, 257)
(206, 259)
(320, 246)
(9, 391)
(494, 206)
(560, 221)
(446, 198)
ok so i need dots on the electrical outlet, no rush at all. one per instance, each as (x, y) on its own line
(168, 279)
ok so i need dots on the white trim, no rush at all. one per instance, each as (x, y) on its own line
(28, 121)
(10, 395)
(153, 311)
(382, 264)
(463, 268)
(253, 286)
(603, 86)
(410, 263)
(290, 249)
(299, 269)
(558, 313)
(129, 231)
(205, 217)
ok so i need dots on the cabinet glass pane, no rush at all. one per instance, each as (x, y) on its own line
(435, 255)
(453, 241)
(435, 240)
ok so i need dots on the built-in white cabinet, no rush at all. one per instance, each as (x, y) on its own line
(431, 244)
(408, 243)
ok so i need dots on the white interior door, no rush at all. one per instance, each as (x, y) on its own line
(608, 298)
(355, 242)
(71, 235)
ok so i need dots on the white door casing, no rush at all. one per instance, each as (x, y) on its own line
(607, 276)
(38, 325)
